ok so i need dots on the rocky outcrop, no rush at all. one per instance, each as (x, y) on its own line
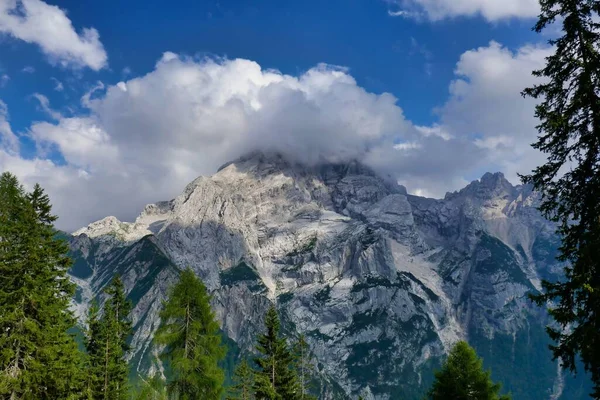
(382, 283)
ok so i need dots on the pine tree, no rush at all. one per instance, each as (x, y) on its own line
(192, 341)
(304, 368)
(39, 359)
(462, 377)
(106, 345)
(276, 378)
(243, 378)
(569, 181)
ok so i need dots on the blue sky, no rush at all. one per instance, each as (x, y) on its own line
(452, 71)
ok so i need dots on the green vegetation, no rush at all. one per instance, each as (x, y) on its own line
(39, 359)
(305, 248)
(462, 377)
(242, 272)
(323, 295)
(243, 378)
(45, 355)
(275, 378)
(304, 367)
(192, 341)
(106, 345)
(501, 259)
(568, 95)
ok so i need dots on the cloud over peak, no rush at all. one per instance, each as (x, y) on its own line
(143, 139)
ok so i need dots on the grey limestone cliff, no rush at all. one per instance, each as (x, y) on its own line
(382, 283)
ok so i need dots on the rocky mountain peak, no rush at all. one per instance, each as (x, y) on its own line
(380, 282)
(489, 186)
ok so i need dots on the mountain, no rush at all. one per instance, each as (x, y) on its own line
(382, 283)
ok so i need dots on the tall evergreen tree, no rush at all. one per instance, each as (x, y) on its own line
(93, 346)
(462, 377)
(117, 324)
(151, 389)
(569, 114)
(276, 378)
(304, 367)
(243, 378)
(106, 344)
(39, 359)
(192, 341)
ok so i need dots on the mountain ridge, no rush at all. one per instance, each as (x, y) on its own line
(379, 280)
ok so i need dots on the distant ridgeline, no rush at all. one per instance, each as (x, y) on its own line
(380, 283)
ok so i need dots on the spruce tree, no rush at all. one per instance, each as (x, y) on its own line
(192, 341)
(462, 377)
(117, 324)
(276, 378)
(106, 345)
(39, 359)
(92, 342)
(569, 181)
(243, 378)
(304, 368)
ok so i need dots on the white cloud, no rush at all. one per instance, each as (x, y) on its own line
(81, 142)
(485, 105)
(45, 106)
(35, 21)
(147, 137)
(434, 130)
(58, 85)
(8, 140)
(4, 80)
(28, 69)
(491, 10)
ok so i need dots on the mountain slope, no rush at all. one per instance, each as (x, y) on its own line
(382, 283)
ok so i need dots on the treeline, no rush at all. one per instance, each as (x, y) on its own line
(40, 357)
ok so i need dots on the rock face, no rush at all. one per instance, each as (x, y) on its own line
(382, 283)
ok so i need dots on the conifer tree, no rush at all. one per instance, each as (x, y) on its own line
(39, 359)
(304, 368)
(276, 378)
(151, 389)
(93, 345)
(569, 181)
(462, 377)
(243, 378)
(106, 344)
(117, 324)
(192, 341)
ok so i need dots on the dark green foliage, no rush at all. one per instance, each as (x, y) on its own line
(192, 341)
(569, 181)
(93, 346)
(501, 259)
(285, 297)
(106, 345)
(150, 389)
(39, 359)
(243, 378)
(462, 377)
(323, 295)
(305, 248)
(526, 352)
(238, 273)
(304, 368)
(276, 378)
